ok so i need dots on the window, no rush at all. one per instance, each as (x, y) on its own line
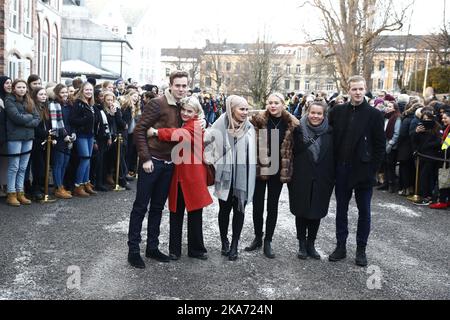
(228, 66)
(380, 84)
(208, 81)
(298, 69)
(297, 85)
(307, 85)
(330, 69)
(13, 66)
(308, 69)
(399, 65)
(14, 18)
(44, 56)
(208, 66)
(238, 67)
(167, 72)
(330, 86)
(276, 68)
(318, 86)
(227, 81)
(381, 66)
(288, 69)
(318, 69)
(287, 84)
(54, 54)
(53, 60)
(27, 17)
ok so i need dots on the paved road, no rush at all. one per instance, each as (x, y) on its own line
(43, 249)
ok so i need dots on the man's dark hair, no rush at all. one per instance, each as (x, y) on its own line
(178, 74)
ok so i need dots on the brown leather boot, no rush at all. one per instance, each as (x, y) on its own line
(80, 192)
(66, 191)
(12, 200)
(22, 199)
(89, 188)
(60, 193)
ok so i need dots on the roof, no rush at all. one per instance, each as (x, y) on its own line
(181, 53)
(85, 29)
(400, 41)
(132, 12)
(74, 68)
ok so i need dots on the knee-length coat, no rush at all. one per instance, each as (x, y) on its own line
(312, 183)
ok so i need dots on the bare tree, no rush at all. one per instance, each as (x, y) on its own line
(350, 30)
(261, 74)
(439, 44)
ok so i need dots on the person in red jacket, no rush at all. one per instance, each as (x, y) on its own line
(188, 189)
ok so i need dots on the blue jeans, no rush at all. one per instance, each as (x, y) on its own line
(154, 188)
(18, 165)
(84, 147)
(363, 199)
(60, 162)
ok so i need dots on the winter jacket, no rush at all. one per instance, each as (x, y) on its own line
(19, 123)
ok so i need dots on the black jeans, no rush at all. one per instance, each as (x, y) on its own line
(154, 188)
(196, 245)
(224, 217)
(363, 199)
(38, 163)
(407, 174)
(390, 164)
(427, 178)
(307, 225)
(131, 154)
(274, 187)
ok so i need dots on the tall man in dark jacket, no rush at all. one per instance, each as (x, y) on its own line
(155, 169)
(359, 147)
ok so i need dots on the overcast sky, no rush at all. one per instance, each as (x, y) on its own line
(242, 20)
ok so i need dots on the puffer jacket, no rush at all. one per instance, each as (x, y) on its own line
(19, 123)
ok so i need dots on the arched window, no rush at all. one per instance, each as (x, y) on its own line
(54, 54)
(13, 66)
(44, 51)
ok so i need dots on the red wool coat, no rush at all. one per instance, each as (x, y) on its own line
(191, 172)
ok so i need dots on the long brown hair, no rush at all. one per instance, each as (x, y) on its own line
(26, 99)
(57, 91)
(42, 108)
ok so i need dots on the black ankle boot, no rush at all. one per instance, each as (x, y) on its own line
(135, 260)
(233, 255)
(339, 253)
(225, 247)
(361, 259)
(255, 245)
(302, 254)
(268, 250)
(311, 250)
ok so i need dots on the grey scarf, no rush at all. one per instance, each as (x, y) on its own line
(311, 132)
(233, 165)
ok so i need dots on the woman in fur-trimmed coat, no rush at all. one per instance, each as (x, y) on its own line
(274, 167)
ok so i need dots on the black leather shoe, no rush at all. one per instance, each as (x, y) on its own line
(311, 250)
(255, 245)
(135, 260)
(174, 257)
(157, 255)
(199, 256)
(302, 254)
(233, 255)
(101, 188)
(268, 250)
(338, 254)
(225, 248)
(361, 258)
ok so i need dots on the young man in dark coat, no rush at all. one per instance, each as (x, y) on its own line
(359, 147)
(155, 169)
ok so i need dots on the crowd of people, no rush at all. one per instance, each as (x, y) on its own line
(104, 135)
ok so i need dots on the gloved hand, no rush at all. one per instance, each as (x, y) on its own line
(73, 137)
(388, 148)
(67, 139)
(52, 132)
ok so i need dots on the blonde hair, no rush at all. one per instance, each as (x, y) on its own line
(126, 103)
(80, 94)
(279, 96)
(195, 104)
